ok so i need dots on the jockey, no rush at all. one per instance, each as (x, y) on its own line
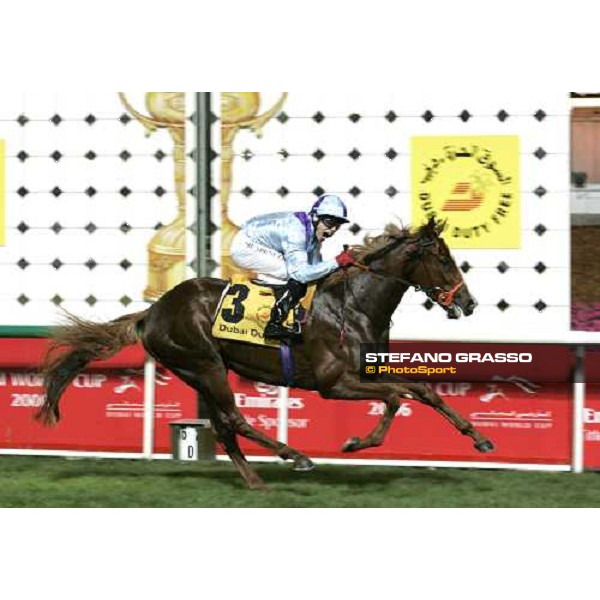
(287, 246)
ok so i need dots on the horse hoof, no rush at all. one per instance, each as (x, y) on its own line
(257, 485)
(351, 445)
(485, 446)
(303, 465)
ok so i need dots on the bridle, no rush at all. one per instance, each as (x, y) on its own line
(444, 298)
(436, 293)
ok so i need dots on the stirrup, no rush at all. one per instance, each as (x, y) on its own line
(277, 331)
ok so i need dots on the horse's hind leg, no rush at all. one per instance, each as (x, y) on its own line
(226, 436)
(214, 386)
(217, 393)
(218, 387)
(301, 462)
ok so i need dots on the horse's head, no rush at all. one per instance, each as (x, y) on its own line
(431, 267)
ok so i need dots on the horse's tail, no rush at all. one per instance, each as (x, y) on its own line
(76, 344)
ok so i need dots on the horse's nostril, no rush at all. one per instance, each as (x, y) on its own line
(471, 306)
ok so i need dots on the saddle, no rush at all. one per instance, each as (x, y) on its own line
(245, 309)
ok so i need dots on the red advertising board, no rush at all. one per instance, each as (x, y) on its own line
(103, 411)
(89, 409)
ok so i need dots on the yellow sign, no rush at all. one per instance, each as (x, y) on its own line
(245, 310)
(471, 182)
(2, 195)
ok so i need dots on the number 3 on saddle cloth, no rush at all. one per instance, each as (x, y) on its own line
(245, 310)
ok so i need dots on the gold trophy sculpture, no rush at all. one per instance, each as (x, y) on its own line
(238, 111)
(166, 250)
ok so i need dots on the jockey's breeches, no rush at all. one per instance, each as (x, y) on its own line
(255, 257)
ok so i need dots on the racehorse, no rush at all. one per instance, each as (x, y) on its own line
(350, 307)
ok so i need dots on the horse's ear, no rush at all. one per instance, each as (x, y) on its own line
(441, 226)
(430, 229)
(433, 228)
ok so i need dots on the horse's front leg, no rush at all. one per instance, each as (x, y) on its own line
(425, 394)
(350, 387)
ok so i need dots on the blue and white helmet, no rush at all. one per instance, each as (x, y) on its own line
(331, 206)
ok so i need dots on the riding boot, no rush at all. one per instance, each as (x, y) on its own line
(293, 293)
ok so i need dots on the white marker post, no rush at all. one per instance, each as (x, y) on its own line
(149, 400)
(283, 398)
(578, 410)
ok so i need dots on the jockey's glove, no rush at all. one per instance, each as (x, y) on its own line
(345, 259)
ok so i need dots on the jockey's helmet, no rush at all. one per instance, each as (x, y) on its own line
(329, 205)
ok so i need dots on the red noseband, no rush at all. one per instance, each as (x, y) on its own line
(447, 298)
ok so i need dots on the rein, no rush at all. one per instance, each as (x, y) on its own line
(444, 298)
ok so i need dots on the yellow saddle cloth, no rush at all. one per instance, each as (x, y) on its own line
(245, 310)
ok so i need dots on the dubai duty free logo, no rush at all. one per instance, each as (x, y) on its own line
(471, 182)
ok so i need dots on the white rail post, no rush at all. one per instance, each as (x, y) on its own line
(283, 397)
(578, 410)
(149, 398)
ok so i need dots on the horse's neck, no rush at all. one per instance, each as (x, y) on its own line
(377, 297)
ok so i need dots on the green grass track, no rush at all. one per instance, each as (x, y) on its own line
(59, 482)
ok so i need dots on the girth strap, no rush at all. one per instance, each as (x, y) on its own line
(287, 364)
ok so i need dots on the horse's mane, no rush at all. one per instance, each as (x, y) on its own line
(373, 246)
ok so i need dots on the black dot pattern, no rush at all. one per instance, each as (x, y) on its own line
(86, 192)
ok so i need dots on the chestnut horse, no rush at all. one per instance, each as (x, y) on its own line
(350, 307)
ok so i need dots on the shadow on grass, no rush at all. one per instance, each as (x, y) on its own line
(358, 476)
(280, 476)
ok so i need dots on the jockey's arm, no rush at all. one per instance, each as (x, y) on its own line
(296, 258)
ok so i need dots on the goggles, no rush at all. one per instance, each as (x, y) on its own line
(331, 222)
